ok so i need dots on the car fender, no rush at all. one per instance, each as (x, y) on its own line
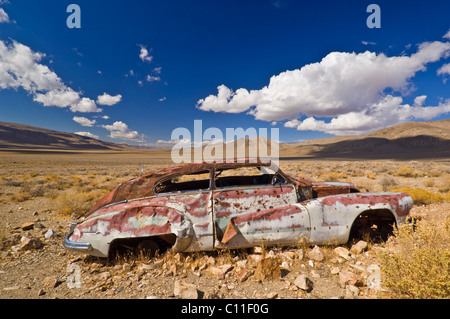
(333, 216)
(133, 221)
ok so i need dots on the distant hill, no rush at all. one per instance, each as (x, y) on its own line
(412, 140)
(20, 136)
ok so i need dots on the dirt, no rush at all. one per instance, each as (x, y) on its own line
(47, 271)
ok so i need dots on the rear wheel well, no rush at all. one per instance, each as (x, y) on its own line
(376, 225)
(134, 245)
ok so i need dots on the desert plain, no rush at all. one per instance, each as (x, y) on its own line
(43, 192)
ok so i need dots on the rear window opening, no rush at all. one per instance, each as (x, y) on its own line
(182, 183)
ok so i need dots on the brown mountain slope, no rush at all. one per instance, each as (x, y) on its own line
(408, 140)
(20, 136)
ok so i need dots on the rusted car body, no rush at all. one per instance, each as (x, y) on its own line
(218, 211)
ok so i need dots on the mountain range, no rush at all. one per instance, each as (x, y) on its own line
(412, 140)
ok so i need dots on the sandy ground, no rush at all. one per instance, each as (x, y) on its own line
(49, 271)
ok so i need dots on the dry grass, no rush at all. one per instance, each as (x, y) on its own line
(417, 262)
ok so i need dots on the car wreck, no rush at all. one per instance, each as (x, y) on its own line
(209, 206)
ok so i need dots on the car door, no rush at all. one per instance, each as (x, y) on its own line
(248, 209)
(190, 194)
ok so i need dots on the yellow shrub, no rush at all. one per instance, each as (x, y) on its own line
(78, 203)
(421, 196)
(418, 266)
(405, 172)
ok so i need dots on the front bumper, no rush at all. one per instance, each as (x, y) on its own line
(76, 246)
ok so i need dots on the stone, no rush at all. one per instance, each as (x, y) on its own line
(334, 270)
(342, 252)
(30, 243)
(304, 283)
(28, 226)
(316, 254)
(359, 247)
(351, 291)
(243, 274)
(50, 234)
(185, 290)
(50, 282)
(220, 271)
(348, 278)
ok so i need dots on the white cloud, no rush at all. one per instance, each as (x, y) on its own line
(4, 18)
(60, 97)
(85, 105)
(151, 78)
(144, 54)
(349, 88)
(120, 130)
(87, 134)
(368, 42)
(447, 35)
(444, 69)
(20, 67)
(106, 99)
(162, 99)
(84, 121)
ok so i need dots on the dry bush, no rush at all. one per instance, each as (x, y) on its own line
(421, 196)
(72, 202)
(405, 171)
(387, 182)
(417, 261)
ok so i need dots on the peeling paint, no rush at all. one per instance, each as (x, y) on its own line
(230, 217)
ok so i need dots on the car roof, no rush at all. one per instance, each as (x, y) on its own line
(143, 186)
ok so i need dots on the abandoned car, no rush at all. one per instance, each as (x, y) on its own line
(208, 206)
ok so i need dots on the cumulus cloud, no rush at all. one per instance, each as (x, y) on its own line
(106, 99)
(4, 18)
(85, 105)
(20, 67)
(349, 88)
(444, 69)
(88, 134)
(120, 130)
(144, 54)
(84, 121)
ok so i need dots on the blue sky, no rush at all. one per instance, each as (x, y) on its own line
(310, 68)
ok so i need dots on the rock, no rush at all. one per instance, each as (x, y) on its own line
(342, 252)
(351, 291)
(334, 270)
(316, 254)
(30, 243)
(28, 226)
(50, 282)
(304, 283)
(243, 274)
(359, 247)
(185, 290)
(41, 292)
(220, 271)
(348, 278)
(50, 234)
(272, 295)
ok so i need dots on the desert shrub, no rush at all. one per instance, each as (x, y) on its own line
(405, 171)
(72, 202)
(387, 182)
(421, 196)
(418, 264)
(21, 197)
